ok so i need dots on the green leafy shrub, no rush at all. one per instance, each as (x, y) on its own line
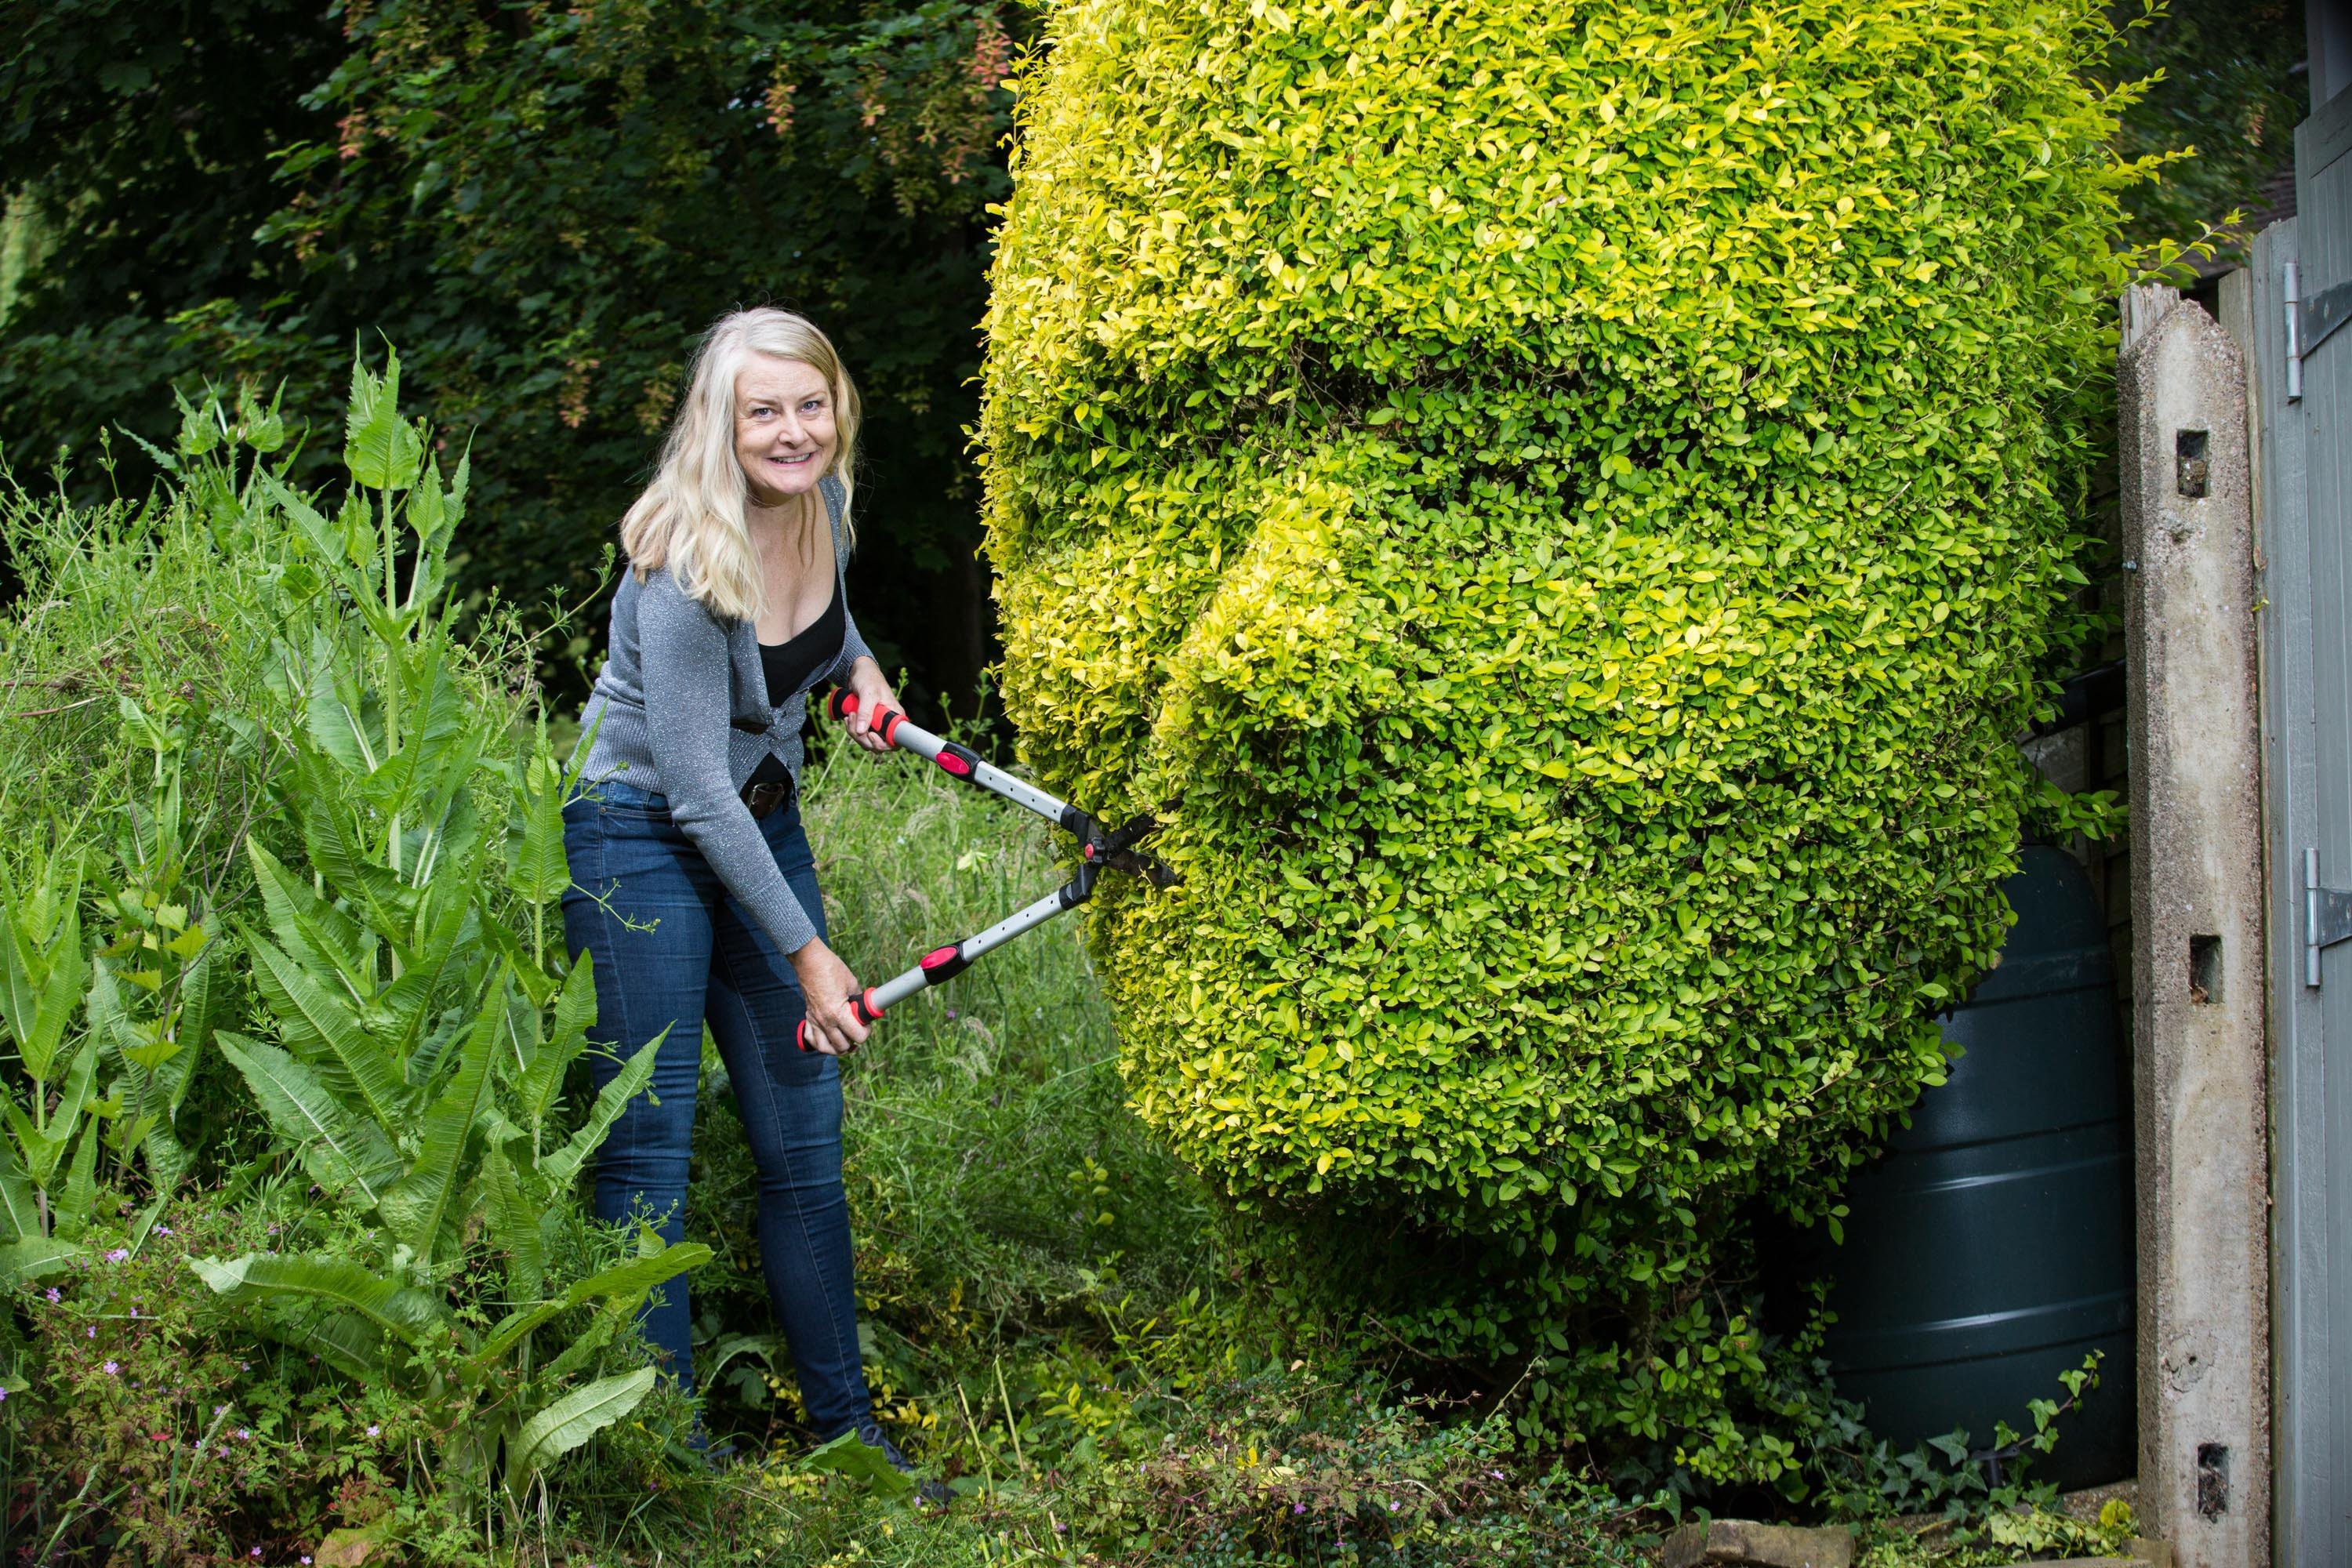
(156, 1421)
(352, 921)
(422, 1043)
(1565, 507)
(152, 1421)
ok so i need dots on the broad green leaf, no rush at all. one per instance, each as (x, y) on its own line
(325, 542)
(434, 741)
(850, 1455)
(380, 448)
(168, 1160)
(309, 927)
(40, 976)
(36, 1257)
(43, 1148)
(406, 1004)
(316, 1024)
(347, 1341)
(513, 1225)
(434, 772)
(623, 1284)
(558, 1169)
(573, 1419)
(333, 720)
(711, 1361)
(426, 512)
(383, 905)
(536, 869)
(541, 1079)
(601, 1331)
(20, 1218)
(416, 1207)
(200, 998)
(113, 1025)
(396, 1309)
(342, 1152)
(72, 1203)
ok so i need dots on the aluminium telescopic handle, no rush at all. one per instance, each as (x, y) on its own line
(959, 761)
(942, 964)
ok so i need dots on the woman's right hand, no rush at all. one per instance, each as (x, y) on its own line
(826, 987)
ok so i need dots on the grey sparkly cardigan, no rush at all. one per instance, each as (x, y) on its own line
(681, 710)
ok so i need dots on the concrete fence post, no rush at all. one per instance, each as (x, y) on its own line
(2197, 970)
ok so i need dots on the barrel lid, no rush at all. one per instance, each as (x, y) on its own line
(2060, 939)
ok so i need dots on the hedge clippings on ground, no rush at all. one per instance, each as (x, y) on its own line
(1565, 506)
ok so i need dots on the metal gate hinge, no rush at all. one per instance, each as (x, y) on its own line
(2326, 917)
(2309, 323)
(2321, 315)
(2290, 298)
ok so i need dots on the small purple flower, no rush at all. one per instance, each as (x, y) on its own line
(117, 1254)
(92, 1332)
(1298, 1508)
(374, 1430)
(4, 1396)
(306, 1559)
(163, 1230)
(950, 1014)
(114, 1369)
(220, 1409)
(134, 1311)
(55, 1294)
(254, 1553)
(245, 1434)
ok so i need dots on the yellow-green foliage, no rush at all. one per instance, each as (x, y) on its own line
(1570, 500)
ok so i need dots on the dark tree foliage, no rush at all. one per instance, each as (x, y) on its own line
(2231, 89)
(542, 206)
(134, 145)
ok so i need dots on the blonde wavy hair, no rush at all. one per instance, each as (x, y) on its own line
(691, 518)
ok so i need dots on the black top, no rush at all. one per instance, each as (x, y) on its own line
(790, 665)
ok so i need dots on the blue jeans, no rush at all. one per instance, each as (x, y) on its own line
(703, 961)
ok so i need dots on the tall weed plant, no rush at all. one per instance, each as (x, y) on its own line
(287, 833)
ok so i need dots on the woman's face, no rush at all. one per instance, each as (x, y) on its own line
(784, 433)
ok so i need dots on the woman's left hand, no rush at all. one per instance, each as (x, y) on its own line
(873, 696)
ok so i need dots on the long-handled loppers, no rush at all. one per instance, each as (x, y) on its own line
(1097, 850)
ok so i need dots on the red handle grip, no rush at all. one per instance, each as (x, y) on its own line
(843, 702)
(861, 1008)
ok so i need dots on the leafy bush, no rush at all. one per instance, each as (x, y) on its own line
(1565, 507)
(417, 1070)
(381, 980)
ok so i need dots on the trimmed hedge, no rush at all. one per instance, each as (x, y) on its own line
(1572, 504)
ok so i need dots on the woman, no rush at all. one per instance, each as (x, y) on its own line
(694, 893)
